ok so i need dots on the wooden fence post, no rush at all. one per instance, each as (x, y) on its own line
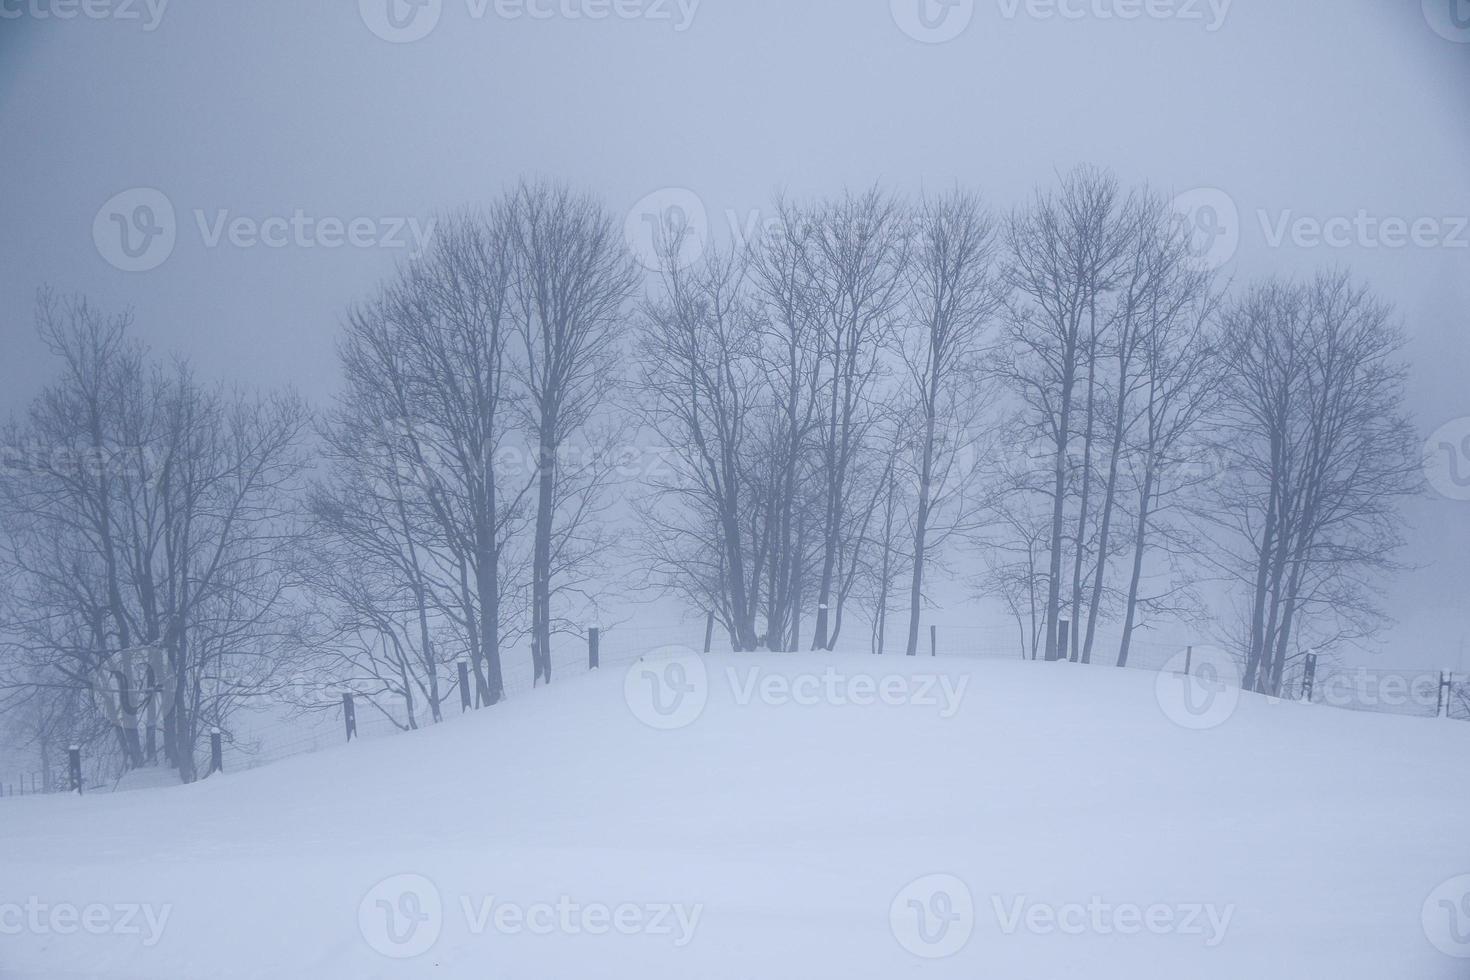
(349, 715)
(1188, 660)
(592, 648)
(933, 641)
(216, 753)
(464, 687)
(709, 629)
(74, 763)
(1309, 676)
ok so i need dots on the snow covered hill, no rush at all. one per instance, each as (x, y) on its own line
(781, 816)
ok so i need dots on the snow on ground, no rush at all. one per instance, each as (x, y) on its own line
(781, 816)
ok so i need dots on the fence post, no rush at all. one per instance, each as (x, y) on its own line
(933, 642)
(349, 715)
(709, 629)
(464, 687)
(1188, 659)
(216, 753)
(1445, 694)
(1309, 675)
(592, 648)
(74, 763)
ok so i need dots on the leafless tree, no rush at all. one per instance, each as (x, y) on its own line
(790, 354)
(854, 269)
(1320, 454)
(952, 296)
(427, 408)
(1170, 362)
(572, 280)
(699, 387)
(152, 536)
(1062, 253)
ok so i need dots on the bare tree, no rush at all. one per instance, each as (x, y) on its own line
(854, 269)
(699, 388)
(425, 412)
(1061, 253)
(1166, 405)
(1321, 452)
(573, 278)
(1154, 343)
(790, 354)
(152, 536)
(952, 288)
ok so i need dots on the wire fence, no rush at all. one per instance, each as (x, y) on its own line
(254, 741)
(1406, 691)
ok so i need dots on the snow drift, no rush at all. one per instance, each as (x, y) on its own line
(781, 816)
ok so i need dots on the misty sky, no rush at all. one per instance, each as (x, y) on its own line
(1292, 109)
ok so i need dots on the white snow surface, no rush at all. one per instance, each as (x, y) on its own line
(787, 834)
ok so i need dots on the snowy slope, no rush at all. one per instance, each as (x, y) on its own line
(806, 816)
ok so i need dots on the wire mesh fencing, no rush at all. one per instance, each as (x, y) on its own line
(257, 739)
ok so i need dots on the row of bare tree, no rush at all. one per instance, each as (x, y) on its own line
(1066, 390)
(872, 394)
(149, 526)
(470, 448)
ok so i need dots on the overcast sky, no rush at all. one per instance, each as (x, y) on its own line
(1281, 110)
